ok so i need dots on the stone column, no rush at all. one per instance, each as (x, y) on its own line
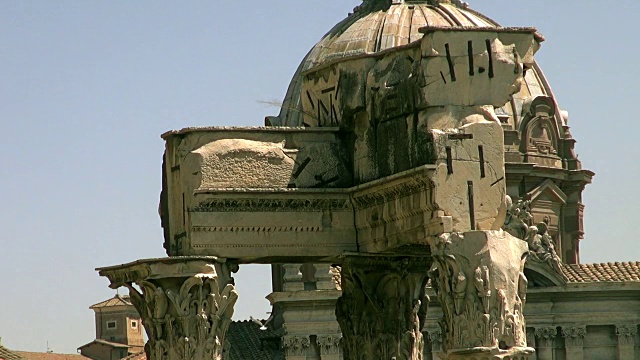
(383, 306)
(186, 304)
(478, 277)
(574, 341)
(626, 341)
(545, 337)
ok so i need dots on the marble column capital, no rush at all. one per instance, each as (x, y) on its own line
(186, 304)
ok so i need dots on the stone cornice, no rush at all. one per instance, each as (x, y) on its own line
(260, 129)
(531, 169)
(166, 267)
(476, 29)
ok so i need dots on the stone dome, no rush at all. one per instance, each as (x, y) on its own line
(379, 25)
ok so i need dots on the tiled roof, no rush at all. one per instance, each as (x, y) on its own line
(118, 300)
(6, 354)
(50, 356)
(108, 343)
(248, 342)
(605, 272)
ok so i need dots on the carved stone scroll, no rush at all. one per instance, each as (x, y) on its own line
(186, 304)
(383, 307)
(478, 277)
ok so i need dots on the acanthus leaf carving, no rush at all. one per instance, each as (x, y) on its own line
(626, 333)
(329, 344)
(295, 345)
(574, 335)
(186, 314)
(383, 307)
(484, 314)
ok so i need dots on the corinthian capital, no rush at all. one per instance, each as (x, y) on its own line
(186, 304)
(479, 279)
(574, 335)
(626, 333)
(547, 333)
(296, 345)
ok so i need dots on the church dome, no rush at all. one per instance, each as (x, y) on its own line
(379, 25)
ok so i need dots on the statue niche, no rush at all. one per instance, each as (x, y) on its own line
(540, 132)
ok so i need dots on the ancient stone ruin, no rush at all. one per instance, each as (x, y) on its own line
(392, 164)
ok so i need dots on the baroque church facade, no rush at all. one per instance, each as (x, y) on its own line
(418, 197)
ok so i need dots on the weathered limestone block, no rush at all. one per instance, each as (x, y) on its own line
(186, 304)
(480, 283)
(383, 307)
(232, 191)
(469, 178)
(398, 211)
(467, 67)
(241, 163)
(452, 77)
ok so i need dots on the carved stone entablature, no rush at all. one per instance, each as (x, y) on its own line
(239, 184)
(574, 335)
(626, 333)
(383, 306)
(398, 210)
(397, 190)
(480, 283)
(262, 225)
(295, 345)
(186, 304)
(271, 205)
(329, 344)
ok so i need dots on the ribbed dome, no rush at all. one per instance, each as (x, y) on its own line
(378, 25)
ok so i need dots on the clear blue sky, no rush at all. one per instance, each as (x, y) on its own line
(87, 87)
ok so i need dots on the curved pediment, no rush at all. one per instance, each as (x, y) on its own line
(541, 274)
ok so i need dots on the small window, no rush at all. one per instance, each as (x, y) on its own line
(134, 324)
(111, 324)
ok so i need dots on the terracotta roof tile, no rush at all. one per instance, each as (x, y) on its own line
(604, 272)
(108, 343)
(248, 342)
(6, 354)
(27, 355)
(118, 300)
